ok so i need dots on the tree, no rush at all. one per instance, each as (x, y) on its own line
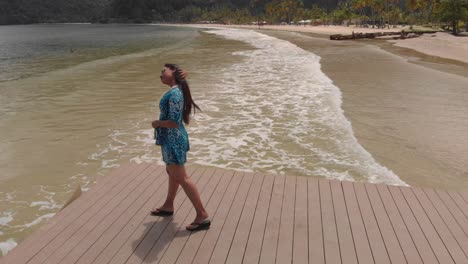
(189, 14)
(284, 10)
(453, 11)
(314, 13)
(392, 11)
(135, 10)
(343, 12)
(394, 15)
(359, 5)
(39, 11)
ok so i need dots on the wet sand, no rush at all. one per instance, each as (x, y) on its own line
(440, 44)
(410, 117)
(407, 108)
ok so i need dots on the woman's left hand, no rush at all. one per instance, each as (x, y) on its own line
(155, 124)
(183, 74)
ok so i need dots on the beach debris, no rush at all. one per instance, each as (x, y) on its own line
(400, 35)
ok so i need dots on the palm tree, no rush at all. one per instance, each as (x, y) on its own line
(388, 5)
(453, 11)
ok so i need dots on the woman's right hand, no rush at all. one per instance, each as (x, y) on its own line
(183, 74)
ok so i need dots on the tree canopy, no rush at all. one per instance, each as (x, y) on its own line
(452, 13)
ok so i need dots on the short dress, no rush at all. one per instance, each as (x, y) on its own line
(174, 142)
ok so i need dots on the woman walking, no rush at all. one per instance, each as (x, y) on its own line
(175, 107)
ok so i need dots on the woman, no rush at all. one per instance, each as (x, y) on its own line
(170, 134)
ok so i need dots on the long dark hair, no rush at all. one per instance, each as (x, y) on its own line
(183, 85)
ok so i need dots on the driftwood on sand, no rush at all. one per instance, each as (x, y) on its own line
(400, 35)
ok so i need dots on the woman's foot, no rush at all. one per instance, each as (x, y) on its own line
(200, 222)
(162, 211)
(195, 226)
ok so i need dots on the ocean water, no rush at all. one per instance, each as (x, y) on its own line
(78, 100)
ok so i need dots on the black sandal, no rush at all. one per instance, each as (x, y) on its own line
(159, 212)
(199, 226)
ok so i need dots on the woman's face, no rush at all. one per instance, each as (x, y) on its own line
(167, 76)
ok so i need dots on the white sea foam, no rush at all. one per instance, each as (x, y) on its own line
(280, 113)
(8, 245)
(45, 205)
(275, 111)
(36, 221)
(6, 218)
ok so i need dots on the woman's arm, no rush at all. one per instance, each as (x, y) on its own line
(165, 123)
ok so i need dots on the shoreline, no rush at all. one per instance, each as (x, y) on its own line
(388, 114)
(388, 100)
(406, 84)
(441, 44)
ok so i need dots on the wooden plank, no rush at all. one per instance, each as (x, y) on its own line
(103, 205)
(203, 255)
(270, 237)
(330, 235)
(454, 210)
(102, 185)
(59, 222)
(89, 249)
(151, 227)
(168, 237)
(254, 244)
(195, 239)
(440, 227)
(464, 195)
(301, 242)
(175, 247)
(361, 242)
(226, 236)
(419, 238)
(84, 238)
(64, 243)
(343, 226)
(386, 228)
(379, 251)
(315, 234)
(431, 234)
(103, 255)
(460, 202)
(267, 219)
(449, 220)
(152, 248)
(237, 249)
(406, 242)
(286, 232)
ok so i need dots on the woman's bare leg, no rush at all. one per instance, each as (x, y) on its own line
(180, 175)
(173, 186)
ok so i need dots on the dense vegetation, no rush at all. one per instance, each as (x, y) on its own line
(451, 13)
(39, 11)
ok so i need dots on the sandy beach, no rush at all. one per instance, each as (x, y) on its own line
(408, 115)
(440, 44)
(288, 101)
(406, 104)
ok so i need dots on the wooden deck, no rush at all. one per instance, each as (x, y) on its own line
(255, 219)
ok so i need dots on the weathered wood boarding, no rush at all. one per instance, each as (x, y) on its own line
(256, 218)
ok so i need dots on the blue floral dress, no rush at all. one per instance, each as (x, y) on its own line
(174, 142)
